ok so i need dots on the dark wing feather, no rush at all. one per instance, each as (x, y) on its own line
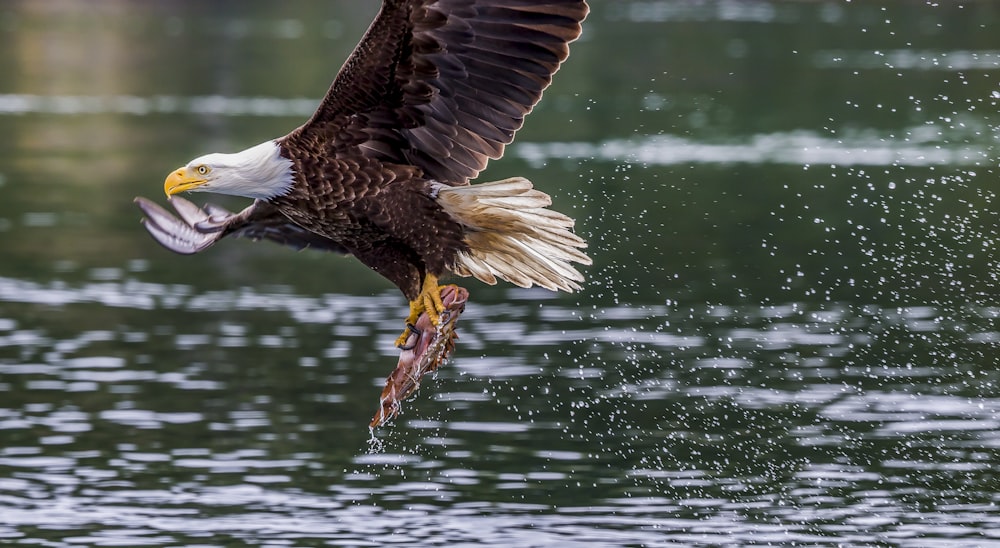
(443, 84)
(197, 229)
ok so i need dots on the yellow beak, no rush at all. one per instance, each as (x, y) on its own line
(181, 181)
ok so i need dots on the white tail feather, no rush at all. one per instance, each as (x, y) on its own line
(511, 235)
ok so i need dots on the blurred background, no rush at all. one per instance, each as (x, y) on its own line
(789, 334)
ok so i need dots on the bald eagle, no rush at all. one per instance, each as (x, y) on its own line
(381, 171)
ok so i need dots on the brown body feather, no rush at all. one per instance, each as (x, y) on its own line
(381, 213)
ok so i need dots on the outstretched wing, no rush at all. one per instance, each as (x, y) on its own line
(197, 229)
(444, 84)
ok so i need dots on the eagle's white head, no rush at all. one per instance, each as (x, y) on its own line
(259, 172)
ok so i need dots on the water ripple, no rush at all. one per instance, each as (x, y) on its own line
(921, 146)
(675, 416)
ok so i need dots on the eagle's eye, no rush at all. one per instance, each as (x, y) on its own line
(202, 170)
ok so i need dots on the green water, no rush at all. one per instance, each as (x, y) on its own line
(789, 334)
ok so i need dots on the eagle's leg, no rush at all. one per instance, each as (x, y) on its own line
(429, 302)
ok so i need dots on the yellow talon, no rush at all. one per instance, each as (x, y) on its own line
(429, 302)
(432, 300)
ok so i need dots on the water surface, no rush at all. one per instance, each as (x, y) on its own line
(789, 334)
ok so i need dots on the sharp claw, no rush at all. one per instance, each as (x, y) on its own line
(427, 304)
(410, 330)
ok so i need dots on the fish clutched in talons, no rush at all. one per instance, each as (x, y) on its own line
(428, 302)
(410, 337)
(426, 346)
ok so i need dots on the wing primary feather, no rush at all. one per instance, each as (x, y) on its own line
(432, 77)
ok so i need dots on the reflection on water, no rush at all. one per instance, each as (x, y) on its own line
(789, 334)
(214, 105)
(921, 146)
(719, 424)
